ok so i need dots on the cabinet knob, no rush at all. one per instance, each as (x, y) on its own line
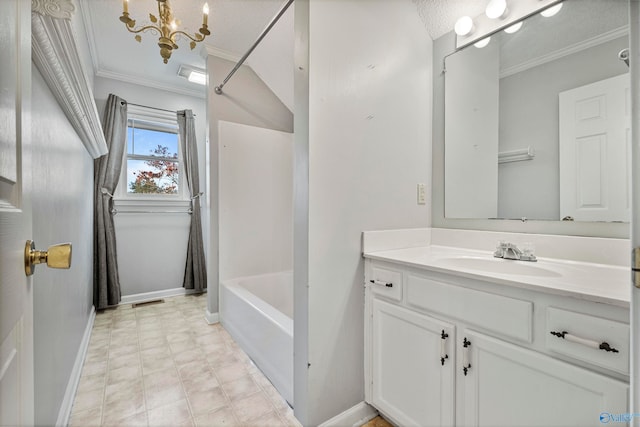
(57, 256)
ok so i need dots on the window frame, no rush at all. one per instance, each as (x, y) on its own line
(164, 121)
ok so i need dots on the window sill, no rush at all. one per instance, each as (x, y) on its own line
(150, 203)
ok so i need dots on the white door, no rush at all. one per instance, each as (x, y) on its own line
(634, 42)
(16, 302)
(414, 388)
(510, 386)
(595, 151)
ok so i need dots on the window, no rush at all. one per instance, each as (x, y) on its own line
(152, 163)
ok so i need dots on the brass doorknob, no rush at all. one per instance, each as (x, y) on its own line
(57, 256)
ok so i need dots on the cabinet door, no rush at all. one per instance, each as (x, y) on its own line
(411, 383)
(507, 385)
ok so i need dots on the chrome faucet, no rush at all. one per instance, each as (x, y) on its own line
(510, 251)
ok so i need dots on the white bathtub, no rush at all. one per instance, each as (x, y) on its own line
(258, 313)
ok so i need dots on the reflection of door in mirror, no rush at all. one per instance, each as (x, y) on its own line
(595, 150)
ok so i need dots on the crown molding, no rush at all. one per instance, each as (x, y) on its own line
(60, 9)
(221, 53)
(55, 54)
(88, 25)
(568, 50)
(141, 81)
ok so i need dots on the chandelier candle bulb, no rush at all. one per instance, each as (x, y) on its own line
(125, 6)
(205, 14)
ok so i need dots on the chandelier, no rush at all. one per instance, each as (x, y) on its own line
(166, 26)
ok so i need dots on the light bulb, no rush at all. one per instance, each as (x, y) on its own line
(551, 11)
(464, 26)
(513, 28)
(482, 43)
(173, 25)
(205, 14)
(496, 9)
(197, 77)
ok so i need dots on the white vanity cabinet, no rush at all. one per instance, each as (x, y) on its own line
(413, 365)
(508, 385)
(445, 350)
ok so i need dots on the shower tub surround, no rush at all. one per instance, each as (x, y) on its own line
(258, 313)
(453, 333)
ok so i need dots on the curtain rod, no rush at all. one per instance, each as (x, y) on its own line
(154, 108)
(218, 89)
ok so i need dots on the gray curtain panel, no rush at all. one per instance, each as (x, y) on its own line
(106, 282)
(195, 273)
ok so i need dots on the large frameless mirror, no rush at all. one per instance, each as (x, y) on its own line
(537, 120)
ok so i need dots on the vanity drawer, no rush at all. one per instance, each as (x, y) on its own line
(502, 315)
(584, 335)
(386, 282)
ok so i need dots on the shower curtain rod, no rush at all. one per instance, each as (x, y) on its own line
(218, 89)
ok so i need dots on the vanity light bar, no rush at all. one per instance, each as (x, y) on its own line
(516, 155)
(517, 11)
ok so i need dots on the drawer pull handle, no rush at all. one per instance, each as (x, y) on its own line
(589, 343)
(443, 350)
(465, 356)
(381, 283)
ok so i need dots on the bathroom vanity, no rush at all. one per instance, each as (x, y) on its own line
(458, 337)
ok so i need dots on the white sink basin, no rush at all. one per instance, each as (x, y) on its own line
(499, 266)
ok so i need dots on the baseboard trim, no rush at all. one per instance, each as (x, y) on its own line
(212, 318)
(355, 416)
(165, 293)
(74, 379)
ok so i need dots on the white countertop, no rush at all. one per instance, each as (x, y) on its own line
(589, 281)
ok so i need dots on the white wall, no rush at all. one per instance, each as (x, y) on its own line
(256, 200)
(152, 247)
(272, 60)
(62, 212)
(362, 143)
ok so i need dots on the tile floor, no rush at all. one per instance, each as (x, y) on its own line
(162, 365)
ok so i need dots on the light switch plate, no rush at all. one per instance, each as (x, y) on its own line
(422, 197)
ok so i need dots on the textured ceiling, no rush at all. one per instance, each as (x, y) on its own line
(439, 16)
